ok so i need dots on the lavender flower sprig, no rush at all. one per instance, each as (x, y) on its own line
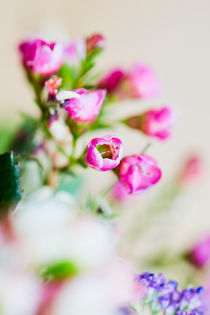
(164, 297)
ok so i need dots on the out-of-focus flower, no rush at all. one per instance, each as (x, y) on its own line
(119, 192)
(41, 57)
(52, 85)
(15, 286)
(163, 295)
(192, 169)
(95, 41)
(142, 82)
(112, 80)
(200, 254)
(75, 52)
(59, 130)
(104, 153)
(83, 106)
(101, 292)
(49, 224)
(138, 82)
(155, 123)
(138, 172)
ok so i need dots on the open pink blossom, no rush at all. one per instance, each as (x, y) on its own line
(83, 106)
(142, 82)
(75, 51)
(112, 80)
(155, 123)
(41, 57)
(138, 172)
(200, 254)
(95, 41)
(104, 153)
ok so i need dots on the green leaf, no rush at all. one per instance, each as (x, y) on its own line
(23, 142)
(9, 184)
(69, 76)
(59, 271)
(70, 183)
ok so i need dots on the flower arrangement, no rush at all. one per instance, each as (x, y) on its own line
(58, 252)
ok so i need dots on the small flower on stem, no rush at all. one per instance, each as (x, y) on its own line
(155, 123)
(52, 85)
(192, 169)
(83, 106)
(41, 57)
(95, 41)
(104, 153)
(138, 172)
(75, 52)
(112, 80)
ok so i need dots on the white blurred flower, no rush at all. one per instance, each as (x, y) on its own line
(51, 231)
(19, 292)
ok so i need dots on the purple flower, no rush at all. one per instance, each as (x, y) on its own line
(41, 57)
(165, 293)
(104, 153)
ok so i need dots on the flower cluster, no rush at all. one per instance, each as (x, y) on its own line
(55, 249)
(162, 294)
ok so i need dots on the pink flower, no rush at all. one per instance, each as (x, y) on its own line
(142, 82)
(95, 41)
(52, 85)
(119, 192)
(112, 80)
(84, 106)
(192, 169)
(104, 153)
(138, 172)
(41, 57)
(200, 254)
(155, 123)
(75, 52)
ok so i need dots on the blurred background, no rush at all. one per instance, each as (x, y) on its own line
(172, 36)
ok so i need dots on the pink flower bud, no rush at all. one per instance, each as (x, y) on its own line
(138, 172)
(192, 169)
(52, 85)
(200, 254)
(112, 80)
(41, 57)
(95, 41)
(84, 106)
(104, 153)
(75, 52)
(155, 123)
(142, 82)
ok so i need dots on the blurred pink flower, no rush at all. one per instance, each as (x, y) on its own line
(104, 153)
(41, 57)
(84, 106)
(95, 41)
(138, 172)
(155, 123)
(191, 170)
(75, 52)
(112, 80)
(143, 82)
(119, 192)
(200, 254)
(52, 85)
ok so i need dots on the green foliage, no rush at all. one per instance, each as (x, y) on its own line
(70, 183)
(69, 76)
(9, 184)
(60, 271)
(23, 142)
